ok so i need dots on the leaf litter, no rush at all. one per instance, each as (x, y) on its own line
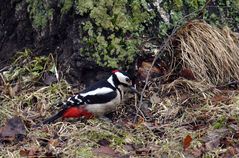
(186, 115)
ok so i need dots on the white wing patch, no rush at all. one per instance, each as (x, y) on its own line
(78, 99)
(110, 80)
(69, 100)
(98, 91)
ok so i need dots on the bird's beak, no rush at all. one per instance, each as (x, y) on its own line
(134, 90)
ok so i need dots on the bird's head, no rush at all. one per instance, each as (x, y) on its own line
(123, 79)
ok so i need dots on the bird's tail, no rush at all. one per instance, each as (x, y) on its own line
(55, 117)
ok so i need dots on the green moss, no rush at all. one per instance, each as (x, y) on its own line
(67, 4)
(83, 152)
(40, 12)
(27, 68)
(219, 123)
(108, 27)
(99, 135)
(192, 5)
(225, 13)
(178, 4)
(84, 6)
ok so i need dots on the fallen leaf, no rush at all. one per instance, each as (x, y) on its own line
(212, 140)
(49, 78)
(145, 67)
(11, 90)
(220, 98)
(143, 151)
(104, 150)
(54, 142)
(145, 107)
(24, 153)
(14, 129)
(139, 122)
(210, 145)
(232, 151)
(187, 73)
(187, 141)
(197, 152)
(155, 128)
(129, 147)
(103, 142)
(155, 99)
(32, 152)
(226, 142)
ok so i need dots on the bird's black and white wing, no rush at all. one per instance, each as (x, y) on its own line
(99, 93)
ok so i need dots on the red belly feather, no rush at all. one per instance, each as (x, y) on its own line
(77, 112)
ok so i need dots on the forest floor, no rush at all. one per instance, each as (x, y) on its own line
(200, 123)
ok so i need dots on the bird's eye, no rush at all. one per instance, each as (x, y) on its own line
(128, 80)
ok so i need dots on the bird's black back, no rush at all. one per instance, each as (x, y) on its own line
(99, 98)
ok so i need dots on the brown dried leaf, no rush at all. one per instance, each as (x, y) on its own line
(24, 153)
(144, 68)
(220, 98)
(14, 129)
(212, 144)
(129, 147)
(187, 141)
(187, 73)
(32, 152)
(232, 151)
(216, 133)
(104, 150)
(103, 142)
(49, 78)
(54, 142)
(140, 121)
(213, 138)
(11, 91)
(143, 151)
(197, 152)
(155, 99)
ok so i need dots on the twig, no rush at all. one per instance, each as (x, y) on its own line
(2, 77)
(161, 48)
(4, 69)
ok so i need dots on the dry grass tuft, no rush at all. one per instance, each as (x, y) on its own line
(212, 54)
(183, 86)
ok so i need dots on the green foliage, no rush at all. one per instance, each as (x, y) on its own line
(177, 10)
(192, 5)
(224, 13)
(219, 123)
(178, 4)
(219, 13)
(67, 4)
(84, 152)
(28, 69)
(99, 135)
(112, 31)
(40, 12)
(84, 6)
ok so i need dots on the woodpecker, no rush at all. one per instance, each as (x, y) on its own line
(97, 100)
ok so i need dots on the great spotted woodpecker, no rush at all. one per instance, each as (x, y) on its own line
(97, 100)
